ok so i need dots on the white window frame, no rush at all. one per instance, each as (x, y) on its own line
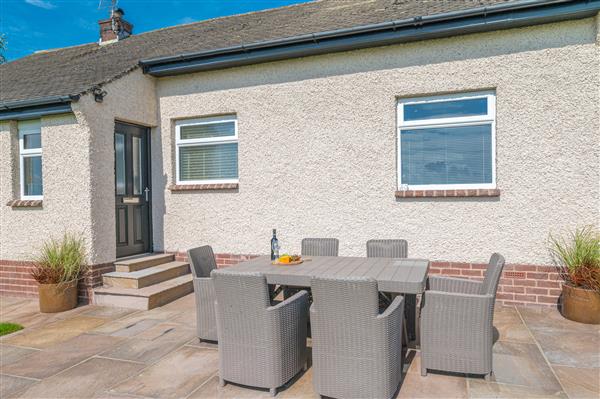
(24, 129)
(179, 142)
(489, 118)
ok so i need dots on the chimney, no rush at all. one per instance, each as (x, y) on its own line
(114, 28)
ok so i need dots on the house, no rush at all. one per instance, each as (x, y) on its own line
(464, 127)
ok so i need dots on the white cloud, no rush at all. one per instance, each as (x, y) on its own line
(41, 4)
(186, 20)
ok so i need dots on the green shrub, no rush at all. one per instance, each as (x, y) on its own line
(578, 257)
(60, 261)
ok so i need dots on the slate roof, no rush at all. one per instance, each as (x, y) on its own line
(74, 70)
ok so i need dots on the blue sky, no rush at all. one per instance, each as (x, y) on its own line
(31, 25)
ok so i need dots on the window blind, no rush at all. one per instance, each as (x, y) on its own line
(446, 155)
(208, 162)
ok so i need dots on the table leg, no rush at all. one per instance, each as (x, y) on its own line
(410, 313)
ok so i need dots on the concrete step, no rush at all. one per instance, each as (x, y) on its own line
(144, 298)
(134, 264)
(146, 277)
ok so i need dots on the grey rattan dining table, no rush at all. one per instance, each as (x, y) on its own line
(394, 275)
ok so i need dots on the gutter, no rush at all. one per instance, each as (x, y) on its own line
(36, 108)
(482, 19)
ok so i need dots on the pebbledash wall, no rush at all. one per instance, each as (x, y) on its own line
(317, 157)
(318, 142)
(78, 178)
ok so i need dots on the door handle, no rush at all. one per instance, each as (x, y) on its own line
(146, 191)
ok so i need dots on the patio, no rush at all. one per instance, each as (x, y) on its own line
(104, 352)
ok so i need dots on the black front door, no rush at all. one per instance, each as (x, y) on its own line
(132, 189)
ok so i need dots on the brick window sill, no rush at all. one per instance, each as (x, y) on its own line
(448, 193)
(203, 187)
(25, 203)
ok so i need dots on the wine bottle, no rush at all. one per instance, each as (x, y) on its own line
(274, 246)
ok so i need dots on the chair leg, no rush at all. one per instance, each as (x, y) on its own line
(305, 366)
(423, 371)
(221, 382)
(488, 377)
(273, 391)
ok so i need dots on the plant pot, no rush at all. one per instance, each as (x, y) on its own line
(580, 304)
(57, 297)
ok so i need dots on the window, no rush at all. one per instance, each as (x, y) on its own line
(447, 142)
(207, 150)
(30, 159)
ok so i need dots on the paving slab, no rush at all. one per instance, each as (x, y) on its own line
(55, 332)
(10, 354)
(538, 318)
(578, 382)
(203, 344)
(45, 363)
(89, 379)
(211, 389)
(522, 364)
(510, 327)
(10, 386)
(174, 376)
(109, 312)
(483, 390)
(570, 348)
(126, 328)
(432, 386)
(168, 331)
(153, 344)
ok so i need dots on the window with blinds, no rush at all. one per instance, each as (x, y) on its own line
(447, 142)
(207, 151)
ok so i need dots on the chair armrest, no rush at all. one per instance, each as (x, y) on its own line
(451, 304)
(395, 309)
(452, 284)
(298, 299)
(204, 287)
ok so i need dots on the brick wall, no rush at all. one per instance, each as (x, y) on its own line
(524, 285)
(528, 285)
(16, 280)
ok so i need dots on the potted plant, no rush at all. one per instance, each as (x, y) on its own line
(57, 270)
(578, 260)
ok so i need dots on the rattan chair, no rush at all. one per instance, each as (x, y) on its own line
(356, 351)
(260, 344)
(457, 322)
(320, 246)
(202, 260)
(395, 248)
(387, 249)
(314, 247)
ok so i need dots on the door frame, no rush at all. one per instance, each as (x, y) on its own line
(147, 132)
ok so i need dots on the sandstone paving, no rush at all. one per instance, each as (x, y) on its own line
(582, 383)
(174, 376)
(102, 352)
(10, 385)
(153, 344)
(10, 354)
(480, 389)
(54, 332)
(509, 326)
(52, 360)
(89, 379)
(522, 364)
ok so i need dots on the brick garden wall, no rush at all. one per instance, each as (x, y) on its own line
(528, 285)
(524, 285)
(16, 280)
